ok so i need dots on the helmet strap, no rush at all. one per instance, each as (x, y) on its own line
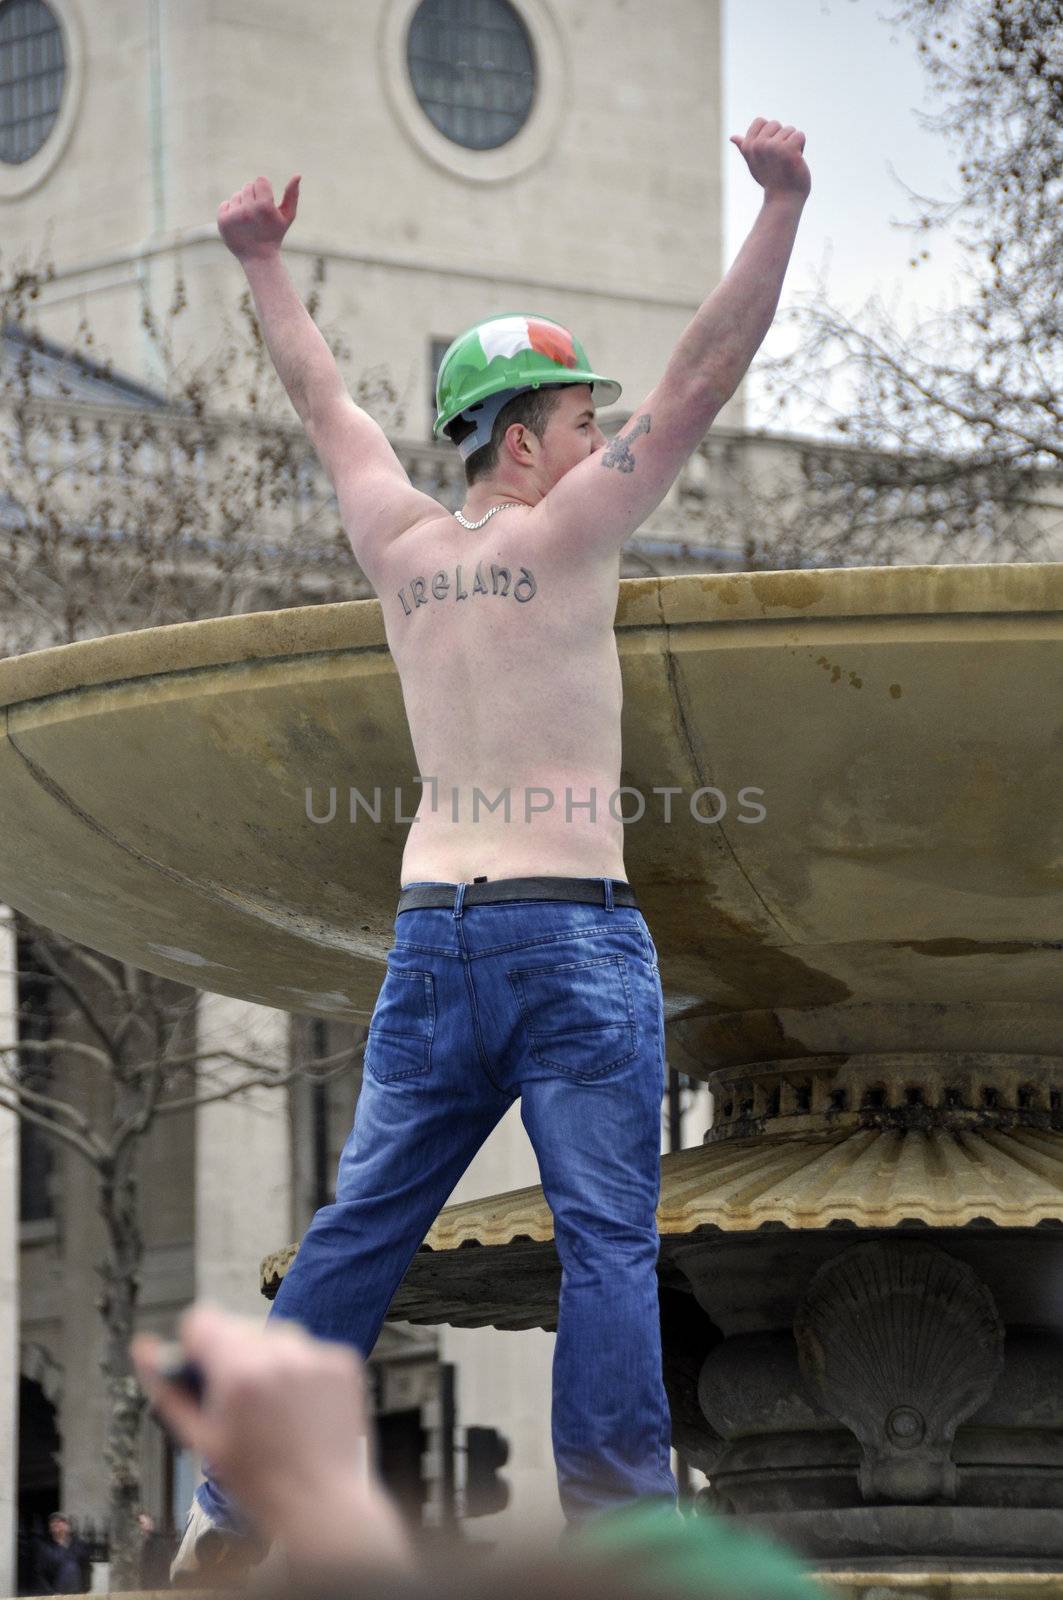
(483, 416)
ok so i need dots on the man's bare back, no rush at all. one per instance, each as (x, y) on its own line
(507, 658)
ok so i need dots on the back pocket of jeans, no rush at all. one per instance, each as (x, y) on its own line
(579, 1016)
(399, 1044)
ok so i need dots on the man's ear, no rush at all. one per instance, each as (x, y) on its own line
(518, 444)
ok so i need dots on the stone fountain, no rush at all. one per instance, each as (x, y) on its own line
(851, 859)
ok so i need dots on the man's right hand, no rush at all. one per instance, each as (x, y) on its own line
(251, 222)
(773, 154)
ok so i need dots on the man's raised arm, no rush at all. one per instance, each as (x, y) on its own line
(253, 228)
(603, 500)
(716, 349)
(376, 499)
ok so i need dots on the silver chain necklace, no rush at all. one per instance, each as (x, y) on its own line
(488, 515)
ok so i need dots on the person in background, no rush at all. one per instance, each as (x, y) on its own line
(62, 1559)
(155, 1553)
(283, 1421)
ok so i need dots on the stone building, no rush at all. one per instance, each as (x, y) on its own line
(458, 158)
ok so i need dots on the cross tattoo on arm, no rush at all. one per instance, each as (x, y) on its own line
(618, 453)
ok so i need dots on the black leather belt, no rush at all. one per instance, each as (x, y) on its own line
(589, 891)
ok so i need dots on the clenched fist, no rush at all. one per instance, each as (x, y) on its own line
(773, 154)
(251, 222)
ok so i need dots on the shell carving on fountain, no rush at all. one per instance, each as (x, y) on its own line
(902, 1344)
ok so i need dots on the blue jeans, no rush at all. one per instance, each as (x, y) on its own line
(558, 1003)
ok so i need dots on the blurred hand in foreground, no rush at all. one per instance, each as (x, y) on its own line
(283, 1424)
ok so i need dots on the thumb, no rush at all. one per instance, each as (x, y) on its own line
(736, 140)
(290, 201)
(178, 1411)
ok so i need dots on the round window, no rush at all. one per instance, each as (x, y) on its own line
(32, 69)
(472, 67)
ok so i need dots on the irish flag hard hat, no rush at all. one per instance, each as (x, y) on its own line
(511, 353)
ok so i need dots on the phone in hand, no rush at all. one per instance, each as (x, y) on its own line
(174, 1367)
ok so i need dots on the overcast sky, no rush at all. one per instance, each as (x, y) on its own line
(836, 70)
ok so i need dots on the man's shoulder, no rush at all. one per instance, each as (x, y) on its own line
(377, 556)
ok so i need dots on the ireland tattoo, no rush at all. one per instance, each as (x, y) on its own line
(619, 452)
(501, 579)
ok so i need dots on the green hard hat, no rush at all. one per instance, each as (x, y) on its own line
(490, 363)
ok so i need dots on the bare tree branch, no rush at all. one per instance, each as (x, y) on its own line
(196, 1058)
(968, 403)
(47, 1047)
(264, 1077)
(27, 1106)
(76, 992)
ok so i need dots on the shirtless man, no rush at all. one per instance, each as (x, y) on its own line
(522, 966)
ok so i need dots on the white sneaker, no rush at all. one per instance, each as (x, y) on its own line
(212, 1557)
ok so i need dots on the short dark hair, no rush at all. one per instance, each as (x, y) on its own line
(533, 407)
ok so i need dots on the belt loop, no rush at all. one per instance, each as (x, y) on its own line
(607, 885)
(459, 897)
